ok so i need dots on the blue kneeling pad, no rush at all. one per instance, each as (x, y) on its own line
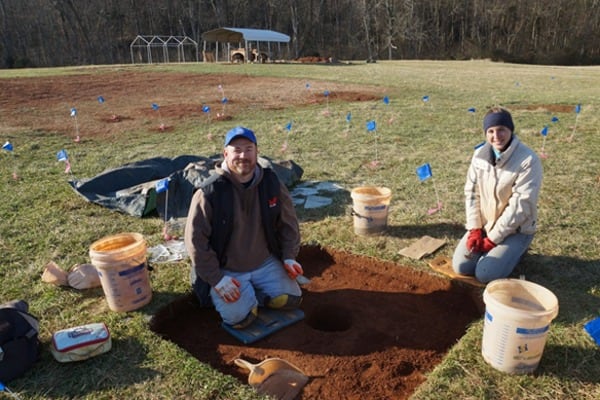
(268, 321)
(593, 329)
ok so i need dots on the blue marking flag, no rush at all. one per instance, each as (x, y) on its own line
(349, 117)
(288, 127)
(544, 131)
(371, 126)
(386, 100)
(205, 109)
(155, 106)
(7, 146)
(224, 100)
(73, 112)
(472, 110)
(555, 119)
(577, 108)
(162, 185)
(424, 172)
(100, 99)
(62, 155)
(425, 99)
(326, 93)
(307, 86)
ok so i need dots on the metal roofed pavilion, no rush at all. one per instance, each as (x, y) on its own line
(243, 45)
(236, 35)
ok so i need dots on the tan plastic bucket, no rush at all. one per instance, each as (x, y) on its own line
(121, 263)
(517, 320)
(370, 205)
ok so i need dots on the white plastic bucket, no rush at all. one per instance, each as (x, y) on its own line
(517, 320)
(121, 263)
(370, 209)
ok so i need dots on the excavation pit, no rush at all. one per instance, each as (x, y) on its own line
(329, 318)
(372, 329)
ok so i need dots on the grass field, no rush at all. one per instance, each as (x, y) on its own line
(42, 219)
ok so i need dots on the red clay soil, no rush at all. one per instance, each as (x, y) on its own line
(44, 104)
(372, 329)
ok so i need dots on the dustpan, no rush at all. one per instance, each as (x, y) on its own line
(275, 377)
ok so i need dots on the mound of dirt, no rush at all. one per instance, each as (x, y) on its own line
(372, 329)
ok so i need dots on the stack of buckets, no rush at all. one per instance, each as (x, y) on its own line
(517, 319)
(121, 264)
(370, 209)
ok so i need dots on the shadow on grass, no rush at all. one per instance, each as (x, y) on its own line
(558, 360)
(572, 280)
(435, 230)
(119, 367)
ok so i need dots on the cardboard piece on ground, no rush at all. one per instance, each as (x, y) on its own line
(443, 265)
(424, 246)
(267, 322)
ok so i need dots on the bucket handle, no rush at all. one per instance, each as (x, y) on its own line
(355, 214)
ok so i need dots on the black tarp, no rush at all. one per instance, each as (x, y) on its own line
(131, 188)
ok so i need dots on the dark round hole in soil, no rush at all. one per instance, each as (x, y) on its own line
(371, 330)
(329, 318)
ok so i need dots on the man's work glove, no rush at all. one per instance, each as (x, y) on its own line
(292, 268)
(487, 245)
(475, 240)
(229, 289)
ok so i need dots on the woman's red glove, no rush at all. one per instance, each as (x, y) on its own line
(487, 245)
(475, 240)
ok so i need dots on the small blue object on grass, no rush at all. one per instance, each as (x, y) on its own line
(593, 328)
(267, 322)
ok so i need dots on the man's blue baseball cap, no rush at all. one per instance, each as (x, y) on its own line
(239, 131)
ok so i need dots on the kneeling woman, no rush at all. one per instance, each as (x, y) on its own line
(502, 189)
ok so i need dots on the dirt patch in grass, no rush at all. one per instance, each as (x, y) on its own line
(44, 104)
(372, 329)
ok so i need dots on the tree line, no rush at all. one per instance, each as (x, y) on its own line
(47, 33)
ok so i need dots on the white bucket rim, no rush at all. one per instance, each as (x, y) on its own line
(550, 310)
(137, 245)
(383, 192)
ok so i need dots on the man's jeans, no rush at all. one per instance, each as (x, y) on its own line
(267, 281)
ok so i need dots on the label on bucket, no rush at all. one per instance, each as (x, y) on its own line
(376, 208)
(512, 346)
(128, 288)
(133, 270)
